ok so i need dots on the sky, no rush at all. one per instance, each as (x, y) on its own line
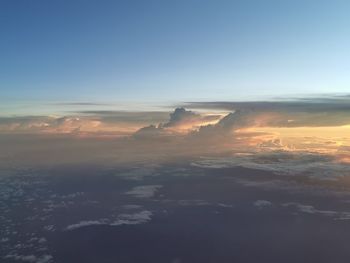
(142, 93)
(173, 78)
(171, 51)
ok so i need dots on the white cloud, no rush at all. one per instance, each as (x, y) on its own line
(132, 206)
(193, 202)
(133, 219)
(30, 258)
(86, 223)
(282, 163)
(122, 219)
(144, 191)
(309, 209)
(262, 203)
(45, 259)
(49, 228)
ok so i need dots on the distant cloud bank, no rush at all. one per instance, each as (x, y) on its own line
(311, 125)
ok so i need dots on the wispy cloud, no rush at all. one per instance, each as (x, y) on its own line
(122, 219)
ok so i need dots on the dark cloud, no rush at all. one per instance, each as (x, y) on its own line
(311, 112)
(225, 127)
(320, 104)
(181, 116)
(150, 132)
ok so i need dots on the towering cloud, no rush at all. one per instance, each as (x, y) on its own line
(189, 119)
(317, 126)
(180, 121)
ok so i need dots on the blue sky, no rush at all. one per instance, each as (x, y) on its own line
(172, 50)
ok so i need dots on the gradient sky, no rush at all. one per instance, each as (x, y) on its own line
(172, 50)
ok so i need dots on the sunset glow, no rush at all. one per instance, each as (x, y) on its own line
(184, 131)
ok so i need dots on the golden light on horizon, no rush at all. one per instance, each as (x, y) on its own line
(327, 139)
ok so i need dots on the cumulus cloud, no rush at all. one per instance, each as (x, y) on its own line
(313, 112)
(98, 123)
(181, 120)
(180, 115)
(151, 132)
(223, 131)
(188, 119)
(46, 124)
(250, 127)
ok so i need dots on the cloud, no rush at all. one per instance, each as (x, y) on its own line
(300, 125)
(275, 143)
(310, 112)
(309, 104)
(151, 132)
(133, 219)
(189, 119)
(181, 120)
(136, 117)
(230, 122)
(45, 124)
(30, 258)
(309, 209)
(262, 203)
(323, 167)
(144, 191)
(180, 115)
(122, 219)
(138, 173)
(132, 206)
(49, 228)
(87, 223)
(316, 112)
(97, 123)
(193, 203)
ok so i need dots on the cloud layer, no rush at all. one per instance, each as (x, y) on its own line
(319, 126)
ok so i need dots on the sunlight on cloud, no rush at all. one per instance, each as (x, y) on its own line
(312, 139)
(127, 136)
